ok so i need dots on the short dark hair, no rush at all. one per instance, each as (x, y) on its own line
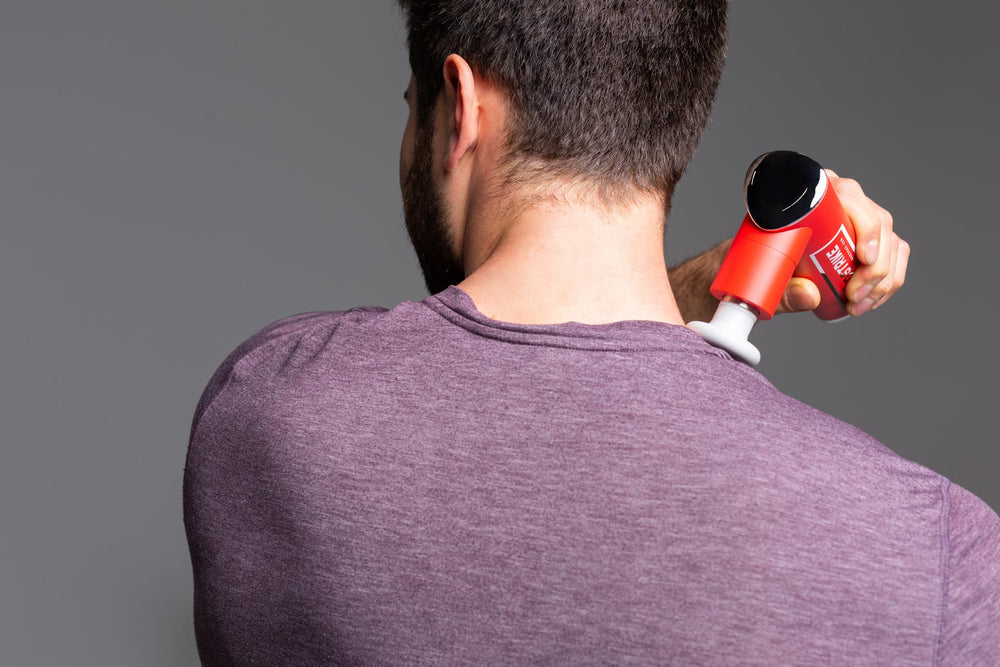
(615, 93)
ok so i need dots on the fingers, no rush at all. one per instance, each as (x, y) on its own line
(868, 297)
(901, 264)
(882, 254)
(872, 223)
(801, 294)
(897, 274)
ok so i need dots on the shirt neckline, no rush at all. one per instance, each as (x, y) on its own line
(457, 306)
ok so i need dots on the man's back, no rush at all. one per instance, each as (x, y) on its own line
(429, 485)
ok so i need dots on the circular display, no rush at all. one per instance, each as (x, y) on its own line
(781, 187)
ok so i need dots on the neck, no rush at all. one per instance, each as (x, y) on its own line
(570, 262)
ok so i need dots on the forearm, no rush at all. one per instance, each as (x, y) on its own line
(691, 280)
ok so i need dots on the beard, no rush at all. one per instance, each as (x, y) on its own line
(425, 216)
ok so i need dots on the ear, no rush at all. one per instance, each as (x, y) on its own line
(462, 108)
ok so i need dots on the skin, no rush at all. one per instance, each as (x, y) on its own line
(550, 252)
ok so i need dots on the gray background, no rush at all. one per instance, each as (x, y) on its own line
(175, 175)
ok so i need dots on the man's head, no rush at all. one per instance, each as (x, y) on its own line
(611, 95)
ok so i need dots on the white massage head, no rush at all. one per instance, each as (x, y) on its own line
(729, 329)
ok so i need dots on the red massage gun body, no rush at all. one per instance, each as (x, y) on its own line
(795, 226)
(819, 246)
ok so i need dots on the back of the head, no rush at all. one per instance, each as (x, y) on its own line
(610, 94)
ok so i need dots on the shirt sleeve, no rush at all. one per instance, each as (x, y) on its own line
(970, 620)
(221, 376)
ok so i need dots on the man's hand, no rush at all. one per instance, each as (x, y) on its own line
(882, 254)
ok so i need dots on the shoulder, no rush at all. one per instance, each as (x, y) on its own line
(850, 472)
(905, 505)
(971, 521)
(273, 344)
(970, 614)
(801, 431)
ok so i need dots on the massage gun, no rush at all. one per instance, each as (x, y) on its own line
(795, 226)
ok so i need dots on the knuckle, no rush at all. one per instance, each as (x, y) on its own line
(850, 185)
(886, 218)
(879, 292)
(868, 278)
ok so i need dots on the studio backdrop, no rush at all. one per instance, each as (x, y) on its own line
(176, 175)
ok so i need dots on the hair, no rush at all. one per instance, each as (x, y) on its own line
(613, 94)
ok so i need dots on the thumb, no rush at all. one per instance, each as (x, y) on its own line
(801, 294)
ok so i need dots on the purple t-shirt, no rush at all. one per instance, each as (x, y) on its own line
(427, 485)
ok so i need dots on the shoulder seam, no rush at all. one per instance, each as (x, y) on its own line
(945, 566)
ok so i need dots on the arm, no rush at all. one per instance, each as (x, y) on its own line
(882, 254)
(690, 282)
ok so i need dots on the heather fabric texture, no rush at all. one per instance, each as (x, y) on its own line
(425, 485)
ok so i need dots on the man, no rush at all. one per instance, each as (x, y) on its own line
(539, 462)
